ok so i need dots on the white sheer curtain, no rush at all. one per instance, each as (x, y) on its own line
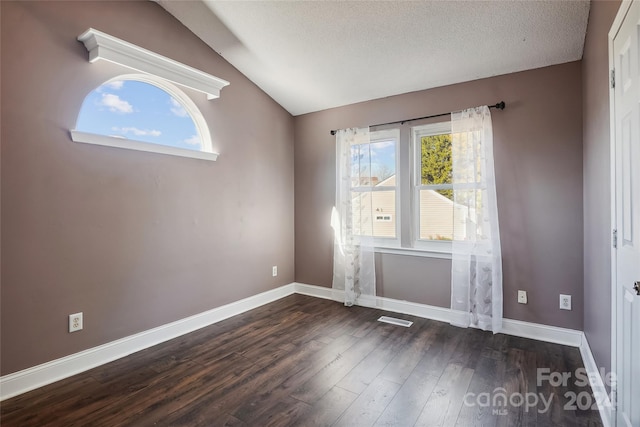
(352, 221)
(476, 267)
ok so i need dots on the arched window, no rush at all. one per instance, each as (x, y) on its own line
(143, 112)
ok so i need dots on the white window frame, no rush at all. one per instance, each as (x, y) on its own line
(417, 132)
(380, 136)
(206, 146)
(408, 185)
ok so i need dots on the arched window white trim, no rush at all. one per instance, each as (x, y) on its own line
(159, 71)
(206, 146)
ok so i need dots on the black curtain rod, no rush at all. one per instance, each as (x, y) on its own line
(500, 106)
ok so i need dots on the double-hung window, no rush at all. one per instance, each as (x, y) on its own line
(401, 189)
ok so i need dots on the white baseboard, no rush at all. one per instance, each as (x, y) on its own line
(537, 331)
(55, 370)
(388, 304)
(517, 328)
(597, 385)
(318, 291)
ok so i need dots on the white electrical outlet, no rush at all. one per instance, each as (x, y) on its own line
(565, 302)
(75, 322)
(274, 270)
(522, 297)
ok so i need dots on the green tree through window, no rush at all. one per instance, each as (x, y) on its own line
(436, 162)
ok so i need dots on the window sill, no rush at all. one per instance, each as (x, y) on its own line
(91, 138)
(413, 252)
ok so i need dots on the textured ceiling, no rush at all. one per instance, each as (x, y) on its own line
(313, 55)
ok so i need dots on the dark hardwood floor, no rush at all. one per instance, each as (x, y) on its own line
(304, 361)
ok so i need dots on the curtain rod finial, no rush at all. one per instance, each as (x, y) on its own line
(500, 105)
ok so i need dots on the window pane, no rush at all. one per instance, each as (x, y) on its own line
(373, 164)
(436, 215)
(468, 163)
(435, 156)
(383, 162)
(469, 215)
(360, 165)
(384, 213)
(139, 111)
(374, 213)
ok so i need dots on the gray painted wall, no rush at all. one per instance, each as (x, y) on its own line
(597, 182)
(538, 150)
(134, 240)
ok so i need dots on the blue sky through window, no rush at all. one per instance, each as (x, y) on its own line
(140, 111)
(379, 156)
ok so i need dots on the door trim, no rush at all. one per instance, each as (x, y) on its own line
(615, 28)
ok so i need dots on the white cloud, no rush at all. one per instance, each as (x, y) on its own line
(178, 109)
(194, 140)
(116, 84)
(115, 104)
(138, 132)
(383, 144)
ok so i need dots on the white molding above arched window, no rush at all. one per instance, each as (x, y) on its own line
(102, 46)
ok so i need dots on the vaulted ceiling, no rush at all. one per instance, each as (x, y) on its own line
(314, 55)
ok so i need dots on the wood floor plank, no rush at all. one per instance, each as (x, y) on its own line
(202, 419)
(588, 412)
(368, 407)
(351, 324)
(370, 367)
(404, 362)
(285, 412)
(469, 347)
(520, 385)
(265, 390)
(47, 395)
(112, 393)
(552, 358)
(331, 373)
(477, 408)
(180, 388)
(241, 340)
(407, 404)
(445, 402)
(442, 349)
(256, 406)
(256, 388)
(327, 410)
(35, 409)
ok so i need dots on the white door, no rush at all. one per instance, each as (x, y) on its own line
(626, 52)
